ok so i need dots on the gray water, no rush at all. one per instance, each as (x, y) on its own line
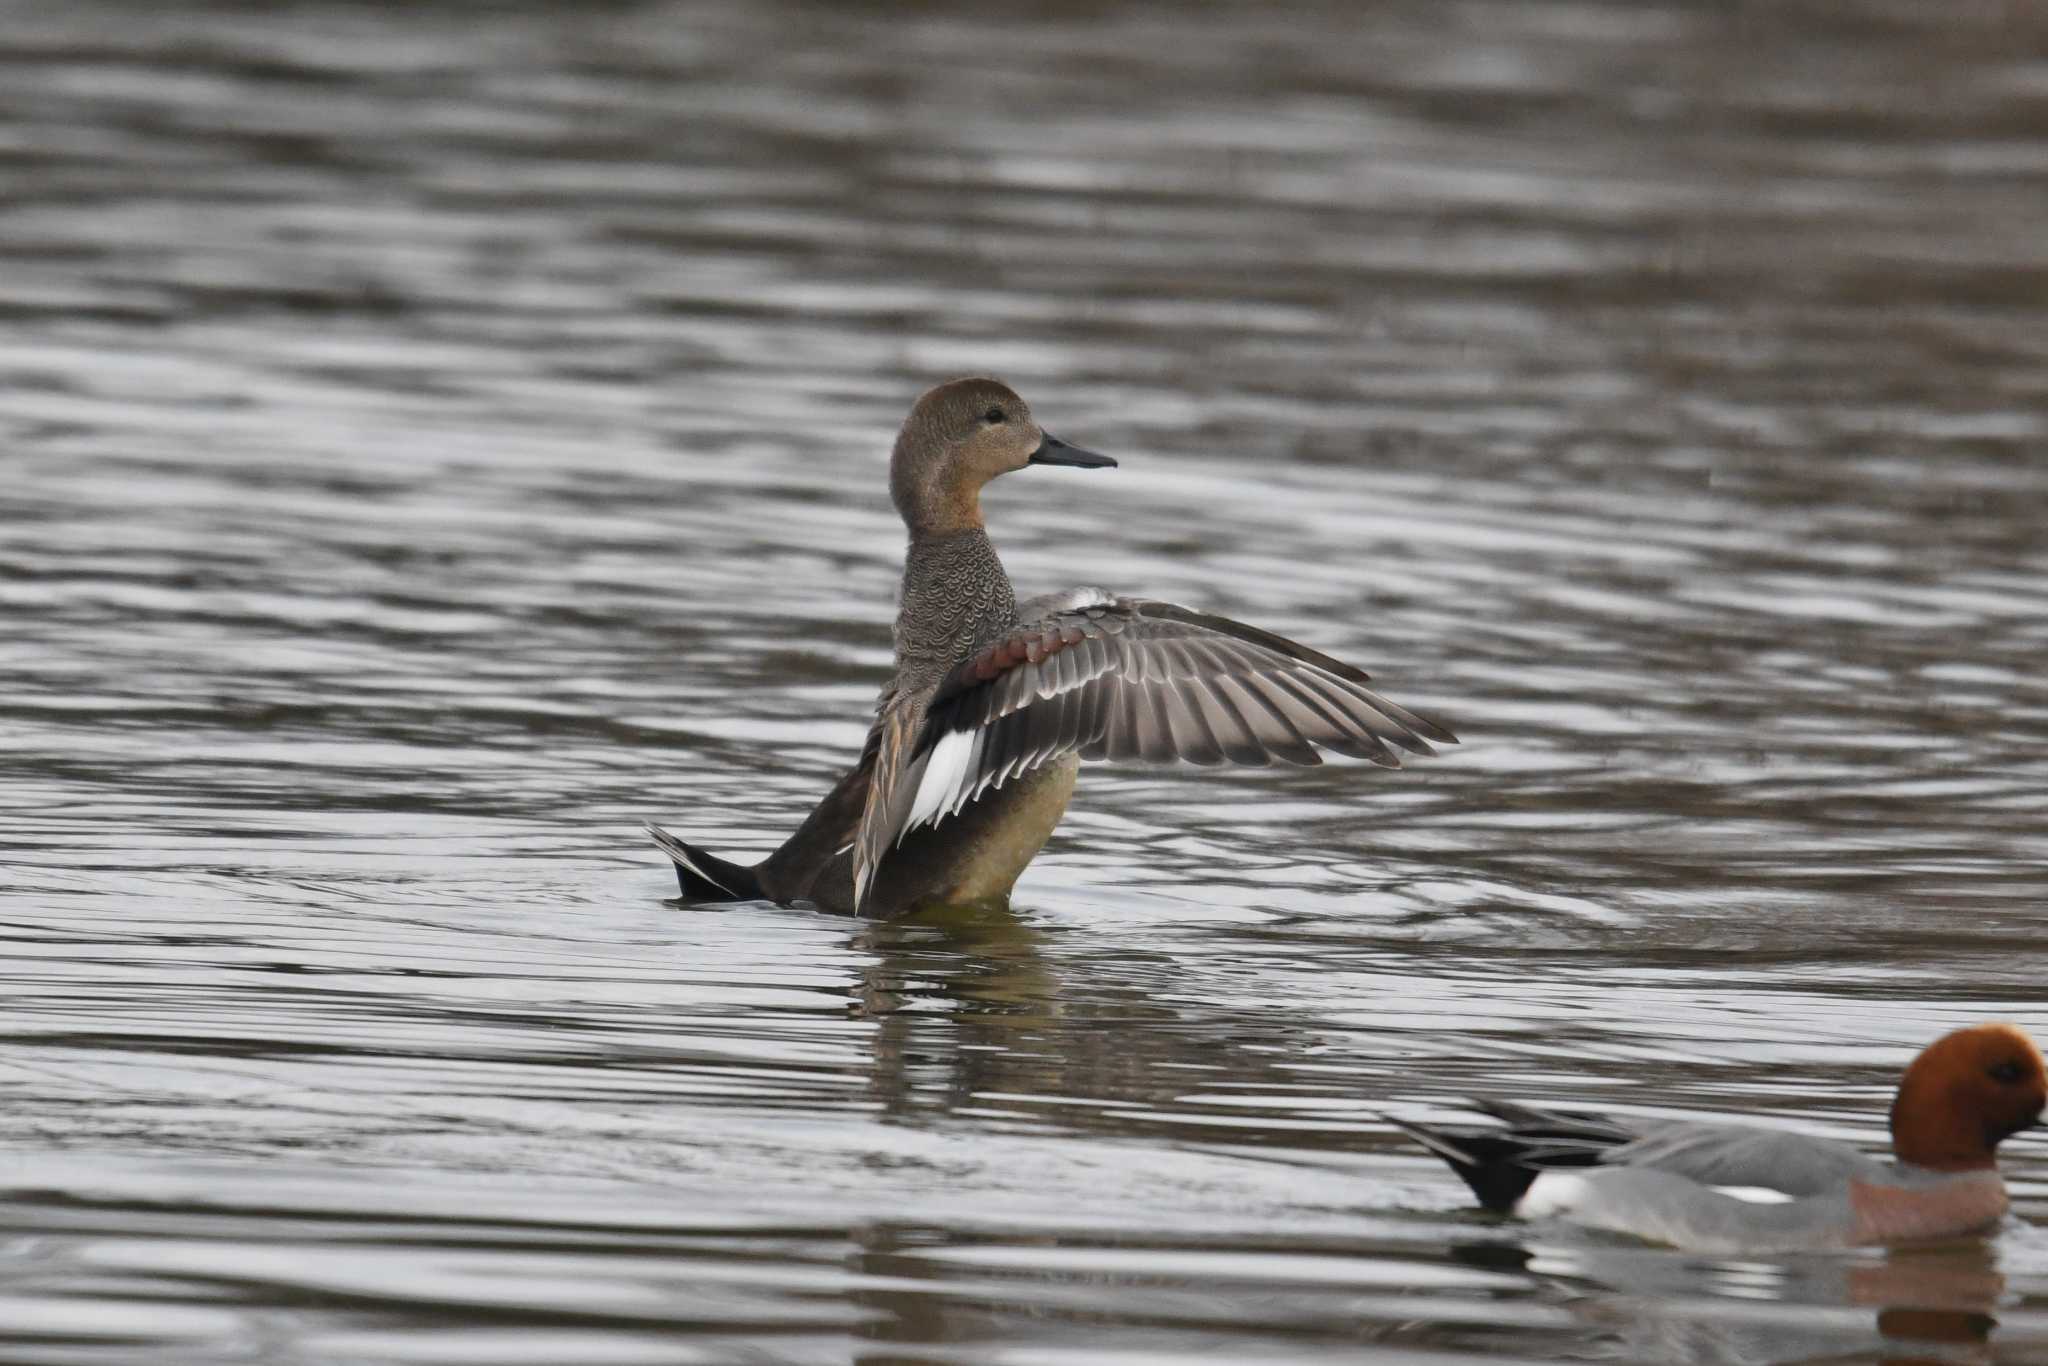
(435, 439)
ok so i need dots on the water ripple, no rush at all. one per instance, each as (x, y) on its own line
(434, 447)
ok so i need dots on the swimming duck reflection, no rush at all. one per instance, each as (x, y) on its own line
(974, 1018)
(1935, 1301)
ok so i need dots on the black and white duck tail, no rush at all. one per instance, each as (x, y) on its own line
(706, 877)
(1501, 1164)
(1492, 1164)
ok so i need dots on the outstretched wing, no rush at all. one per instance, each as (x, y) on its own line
(1127, 678)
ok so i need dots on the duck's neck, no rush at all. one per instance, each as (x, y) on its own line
(956, 598)
(955, 510)
(940, 505)
(1929, 1133)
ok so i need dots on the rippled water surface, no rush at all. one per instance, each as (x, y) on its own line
(435, 439)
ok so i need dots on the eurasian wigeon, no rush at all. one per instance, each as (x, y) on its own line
(979, 733)
(1670, 1181)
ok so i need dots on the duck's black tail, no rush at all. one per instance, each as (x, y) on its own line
(1500, 1164)
(707, 877)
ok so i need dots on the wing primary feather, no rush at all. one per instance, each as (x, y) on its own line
(1002, 737)
(1334, 731)
(1042, 729)
(1155, 734)
(1083, 721)
(1268, 720)
(1351, 704)
(1371, 711)
(1048, 674)
(1233, 733)
(1420, 728)
(1177, 661)
(1190, 732)
(1121, 740)
(1068, 663)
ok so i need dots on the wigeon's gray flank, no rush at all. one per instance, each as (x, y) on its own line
(1673, 1182)
(993, 705)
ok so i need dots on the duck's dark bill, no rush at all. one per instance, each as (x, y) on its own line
(1053, 451)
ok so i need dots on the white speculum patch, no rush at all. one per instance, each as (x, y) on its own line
(944, 772)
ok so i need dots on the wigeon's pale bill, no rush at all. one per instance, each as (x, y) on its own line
(1676, 1182)
(993, 705)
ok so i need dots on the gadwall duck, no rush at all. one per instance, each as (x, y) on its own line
(994, 704)
(1737, 1188)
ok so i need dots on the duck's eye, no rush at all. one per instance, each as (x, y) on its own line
(994, 415)
(2007, 1072)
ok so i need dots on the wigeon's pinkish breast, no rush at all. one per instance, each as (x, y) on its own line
(1674, 1181)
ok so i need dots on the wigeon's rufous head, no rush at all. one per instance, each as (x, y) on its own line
(957, 438)
(1967, 1092)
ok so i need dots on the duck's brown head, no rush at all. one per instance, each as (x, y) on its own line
(1965, 1094)
(957, 438)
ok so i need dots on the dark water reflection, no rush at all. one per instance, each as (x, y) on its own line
(435, 442)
